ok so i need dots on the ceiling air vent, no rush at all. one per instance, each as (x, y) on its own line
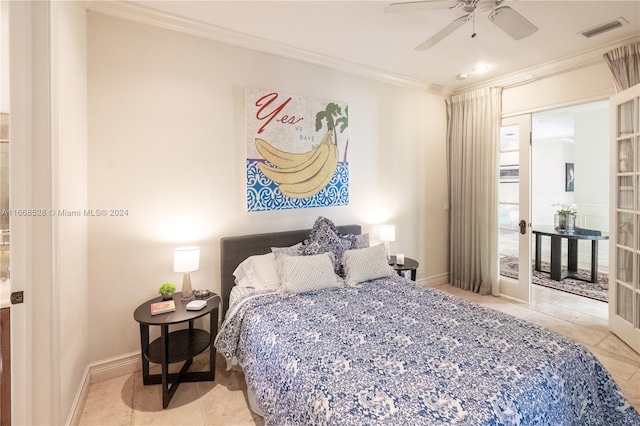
(603, 28)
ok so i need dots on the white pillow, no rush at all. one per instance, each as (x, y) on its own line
(366, 264)
(258, 271)
(291, 251)
(300, 274)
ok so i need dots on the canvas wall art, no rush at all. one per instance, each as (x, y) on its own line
(569, 180)
(296, 151)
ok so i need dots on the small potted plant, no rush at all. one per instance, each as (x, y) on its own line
(565, 218)
(167, 290)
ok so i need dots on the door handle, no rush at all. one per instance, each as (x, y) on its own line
(523, 226)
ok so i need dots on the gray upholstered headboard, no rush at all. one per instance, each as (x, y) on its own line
(233, 250)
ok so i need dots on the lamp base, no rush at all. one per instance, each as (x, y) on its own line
(187, 291)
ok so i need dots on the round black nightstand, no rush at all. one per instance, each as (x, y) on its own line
(409, 265)
(176, 346)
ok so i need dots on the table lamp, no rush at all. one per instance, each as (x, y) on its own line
(186, 260)
(387, 233)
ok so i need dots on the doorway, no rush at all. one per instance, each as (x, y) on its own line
(569, 169)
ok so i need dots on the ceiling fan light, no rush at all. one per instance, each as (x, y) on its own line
(512, 23)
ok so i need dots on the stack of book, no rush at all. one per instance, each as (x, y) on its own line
(163, 307)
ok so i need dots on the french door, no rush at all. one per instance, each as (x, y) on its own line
(514, 241)
(624, 261)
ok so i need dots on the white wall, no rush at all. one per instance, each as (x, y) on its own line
(590, 83)
(166, 143)
(592, 168)
(548, 158)
(70, 102)
(592, 197)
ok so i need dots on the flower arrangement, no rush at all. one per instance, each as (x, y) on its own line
(567, 209)
(565, 218)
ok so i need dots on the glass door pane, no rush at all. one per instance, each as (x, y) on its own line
(625, 156)
(514, 246)
(509, 192)
(624, 290)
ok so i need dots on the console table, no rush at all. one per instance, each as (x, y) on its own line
(556, 272)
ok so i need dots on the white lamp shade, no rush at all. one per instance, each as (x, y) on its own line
(387, 233)
(186, 259)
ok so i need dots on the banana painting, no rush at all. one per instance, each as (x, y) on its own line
(300, 175)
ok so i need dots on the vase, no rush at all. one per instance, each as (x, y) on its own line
(167, 296)
(564, 223)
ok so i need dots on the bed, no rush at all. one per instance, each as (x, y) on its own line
(389, 351)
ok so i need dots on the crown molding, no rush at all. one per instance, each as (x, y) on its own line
(146, 15)
(549, 69)
(143, 14)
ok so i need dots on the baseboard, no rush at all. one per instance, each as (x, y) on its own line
(78, 402)
(99, 372)
(435, 280)
(115, 367)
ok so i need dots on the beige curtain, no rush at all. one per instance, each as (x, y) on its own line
(624, 63)
(473, 138)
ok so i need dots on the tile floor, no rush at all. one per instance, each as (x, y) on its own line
(125, 401)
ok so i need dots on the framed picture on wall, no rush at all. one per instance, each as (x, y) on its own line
(296, 151)
(569, 177)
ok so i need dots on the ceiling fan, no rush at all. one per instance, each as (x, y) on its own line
(504, 17)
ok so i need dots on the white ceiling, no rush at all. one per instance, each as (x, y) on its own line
(361, 34)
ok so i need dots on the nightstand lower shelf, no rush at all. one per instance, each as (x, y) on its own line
(183, 345)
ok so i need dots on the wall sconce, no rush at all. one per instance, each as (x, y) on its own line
(387, 233)
(186, 260)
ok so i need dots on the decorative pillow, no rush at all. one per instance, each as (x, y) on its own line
(300, 274)
(259, 272)
(362, 241)
(324, 237)
(366, 264)
(291, 251)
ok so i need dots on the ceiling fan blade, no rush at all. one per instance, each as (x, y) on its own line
(437, 37)
(512, 23)
(419, 5)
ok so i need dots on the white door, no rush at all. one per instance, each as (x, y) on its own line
(514, 241)
(624, 253)
(16, 15)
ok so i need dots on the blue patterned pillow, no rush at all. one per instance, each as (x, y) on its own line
(324, 237)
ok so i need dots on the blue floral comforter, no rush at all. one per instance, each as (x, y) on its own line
(392, 352)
